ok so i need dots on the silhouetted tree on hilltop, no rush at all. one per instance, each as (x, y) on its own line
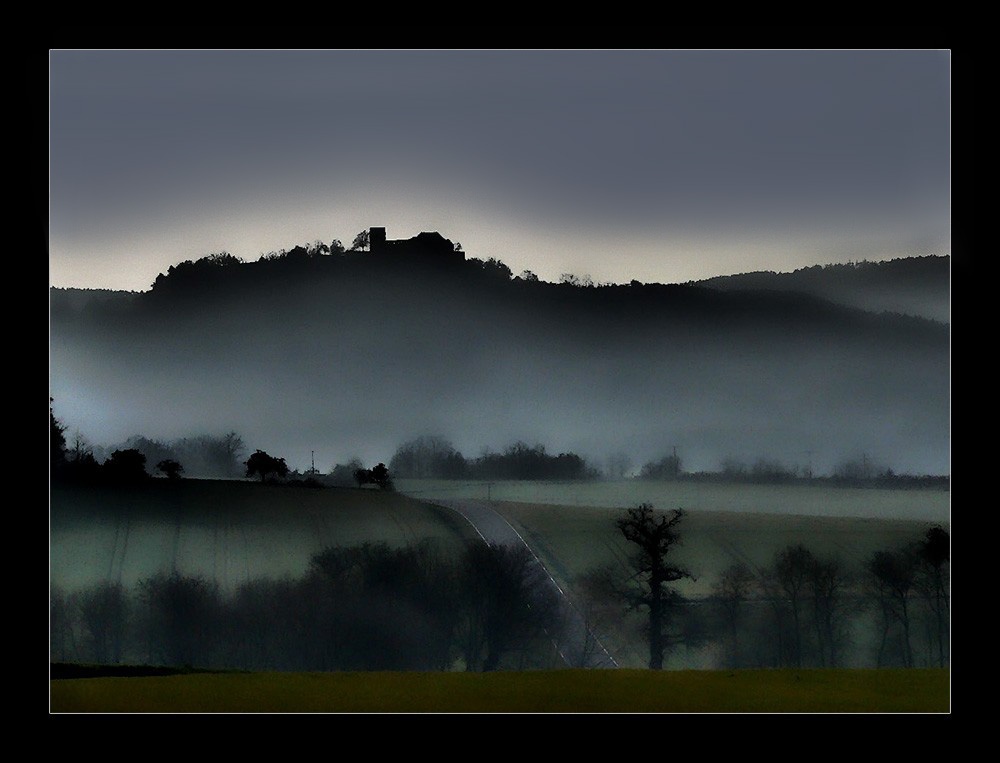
(126, 467)
(378, 475)
(361, 242)
(170, 468)
(491, 267)
(263, 464)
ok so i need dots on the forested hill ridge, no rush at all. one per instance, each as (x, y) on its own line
(352, 353)
(918, 286)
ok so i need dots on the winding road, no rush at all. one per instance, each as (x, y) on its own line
(577, 644)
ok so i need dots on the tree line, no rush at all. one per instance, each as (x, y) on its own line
(801, 610)
(488, 607)
(434, 457)
(75, 460)
(139, 458)
(368, 607)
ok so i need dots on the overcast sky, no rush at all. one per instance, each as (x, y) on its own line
(655, 165)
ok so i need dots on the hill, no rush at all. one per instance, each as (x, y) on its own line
(919, 286)
(352, 354)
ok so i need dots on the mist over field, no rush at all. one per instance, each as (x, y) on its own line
(354, 358)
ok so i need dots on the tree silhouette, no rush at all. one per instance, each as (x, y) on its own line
(732, 592)
(170, 468)
(791, 573)
(892, 575)
(263, 464)
(234, 448)
(126, 466)
(654, 535)
(57, 443)
(380, 476)
(506, 603)
(428, 456)
(935, 552)
(361, 242)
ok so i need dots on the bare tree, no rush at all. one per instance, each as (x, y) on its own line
(732, 591)
(892, 575)
(791, 572)
(104, 614)
(507, 604)
(654, 536)
(935, 554)
(235, 449)
(828, 585)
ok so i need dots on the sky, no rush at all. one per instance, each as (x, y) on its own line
(652, 165)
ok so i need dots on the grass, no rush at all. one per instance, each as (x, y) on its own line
(227, 531)
(564, 691)
(809, 500)
(572, 540)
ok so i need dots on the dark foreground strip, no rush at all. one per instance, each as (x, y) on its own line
(60, 670)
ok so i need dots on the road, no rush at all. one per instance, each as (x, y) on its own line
(578, 646)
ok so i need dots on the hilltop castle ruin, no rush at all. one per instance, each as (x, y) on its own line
(428, 247)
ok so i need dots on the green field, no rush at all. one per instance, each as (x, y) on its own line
(565, 691)
(572, 540)
(226, 531)
(923, 505)
(231, 532)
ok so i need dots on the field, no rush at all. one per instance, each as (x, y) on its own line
(226, 531)
(755, 691)
(573, 539)
(922, 505)
(230, 532)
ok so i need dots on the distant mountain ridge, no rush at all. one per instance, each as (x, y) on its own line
(919, 286)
